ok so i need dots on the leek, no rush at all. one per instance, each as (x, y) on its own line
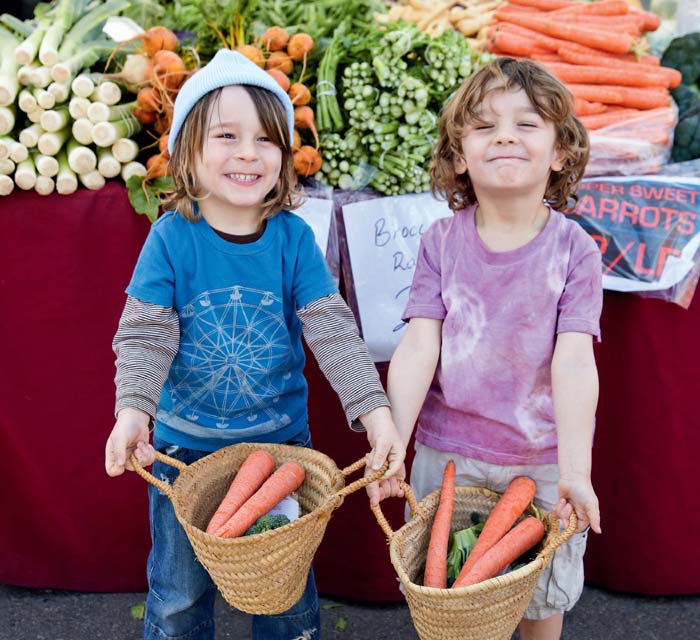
(107, 92)
(84, 84)
(25, 174)
(45, 99)
(7, 185)
(7, 119)
(81, 159)
(50, 143)
(66, 70)
(92, 180)
(82, 130)
(55, 119)
(19, 153)
(105, 134)
(107, 164)
(9, 85)
(100, 112)
(35, 116)
(78, 107)
(29, 137)
(7, 167)
(26, 51)
(131, 169)
(45, 165)
(66, 180)
(66, 13)
(125, 150)
(59, 90)
(44, 185)
(26, 101)
(89, 25)
(40, 77)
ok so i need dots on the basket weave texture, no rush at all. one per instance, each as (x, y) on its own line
(265, 573)
(489, 610)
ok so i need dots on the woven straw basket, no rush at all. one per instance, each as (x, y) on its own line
(490, 610)
(265, 573)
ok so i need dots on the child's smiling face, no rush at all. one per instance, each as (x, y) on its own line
(512, 150)
(239, 164)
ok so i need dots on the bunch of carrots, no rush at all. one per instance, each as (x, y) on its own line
(498, 544)
(277, 52)
(256, 488)
(597, 49)
(156, 75)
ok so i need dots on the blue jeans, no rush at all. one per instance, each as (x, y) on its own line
(181, 595)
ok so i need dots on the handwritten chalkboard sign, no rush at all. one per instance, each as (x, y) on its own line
(382, 239)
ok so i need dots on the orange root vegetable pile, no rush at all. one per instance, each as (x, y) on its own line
(597, 49)
(277, 53)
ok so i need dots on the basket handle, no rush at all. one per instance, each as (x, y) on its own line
(362, 482)
(560, 538)
(165, 487)
(412, 504)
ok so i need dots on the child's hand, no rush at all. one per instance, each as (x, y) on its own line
(577, 493)
(129, 434)
(385, 487)
(384, 439)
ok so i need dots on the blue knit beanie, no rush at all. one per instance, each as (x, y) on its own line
(225, 68)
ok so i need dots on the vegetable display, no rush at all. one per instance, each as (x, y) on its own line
(390, 85)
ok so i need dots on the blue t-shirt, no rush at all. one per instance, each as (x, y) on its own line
(238, 373)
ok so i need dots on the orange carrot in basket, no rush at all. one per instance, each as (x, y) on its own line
(508, 509)
(253, 472)
(287, 478)
(436, 559)
(523, 536)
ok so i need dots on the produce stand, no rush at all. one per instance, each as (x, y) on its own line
(67, 259)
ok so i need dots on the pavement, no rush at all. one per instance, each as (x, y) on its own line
(46, 614)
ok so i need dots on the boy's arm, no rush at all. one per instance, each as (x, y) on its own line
(411, 372)
(146, 342)
(575, 397)
(332, 335)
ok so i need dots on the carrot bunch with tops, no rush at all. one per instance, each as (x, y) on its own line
(277, 52)
(498, 544)
(596, 48)
(256, 488)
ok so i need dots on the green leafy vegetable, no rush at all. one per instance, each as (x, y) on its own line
(145, 195)
(461, 544)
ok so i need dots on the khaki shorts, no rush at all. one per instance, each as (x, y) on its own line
(561, 583)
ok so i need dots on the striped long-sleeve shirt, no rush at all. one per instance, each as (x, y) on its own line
(148, 336)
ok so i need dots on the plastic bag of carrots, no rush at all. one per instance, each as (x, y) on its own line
(629, 141)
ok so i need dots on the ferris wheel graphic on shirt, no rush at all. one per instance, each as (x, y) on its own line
(233, 342)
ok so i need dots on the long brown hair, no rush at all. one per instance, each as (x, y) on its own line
(190, 143)
(552, 101)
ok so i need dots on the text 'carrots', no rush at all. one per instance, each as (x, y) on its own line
(436, 560)
(286, 479)
(525, 535)
(252, 473)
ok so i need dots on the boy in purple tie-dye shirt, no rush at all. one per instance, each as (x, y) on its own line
(496, 365)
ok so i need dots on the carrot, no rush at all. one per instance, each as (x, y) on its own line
(573, 55)
(544, 5)
(275, 39)
(586, 108)
(280, 60)
(168, 69)
(559, 28)
(599, 8)
(159, 38)
(635, 97)
(651, 20)
(299, 94)
(253, 472)
(599, 120)
(148, 99)
(304, 119)
(523, 536)
(436, 559)
(508, 509)
(287, 478)
(253, 53)
(281, 77)
(511, 43)
(307, 160)
(296, 142)
(163, 145)
(145, 116)
(299, 46)
(156, 166)
(641, 76)
(545, 56)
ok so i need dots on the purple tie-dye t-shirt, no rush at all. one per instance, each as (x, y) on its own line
(491, 398)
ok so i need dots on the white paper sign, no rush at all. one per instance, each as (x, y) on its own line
(383, 236)
(317, 212)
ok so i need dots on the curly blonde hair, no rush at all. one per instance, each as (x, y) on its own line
(190, 143)
(552, 101)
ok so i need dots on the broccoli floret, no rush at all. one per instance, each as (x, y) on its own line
(686, 136)
(682, 54)
(685, 95)
(267, 523)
